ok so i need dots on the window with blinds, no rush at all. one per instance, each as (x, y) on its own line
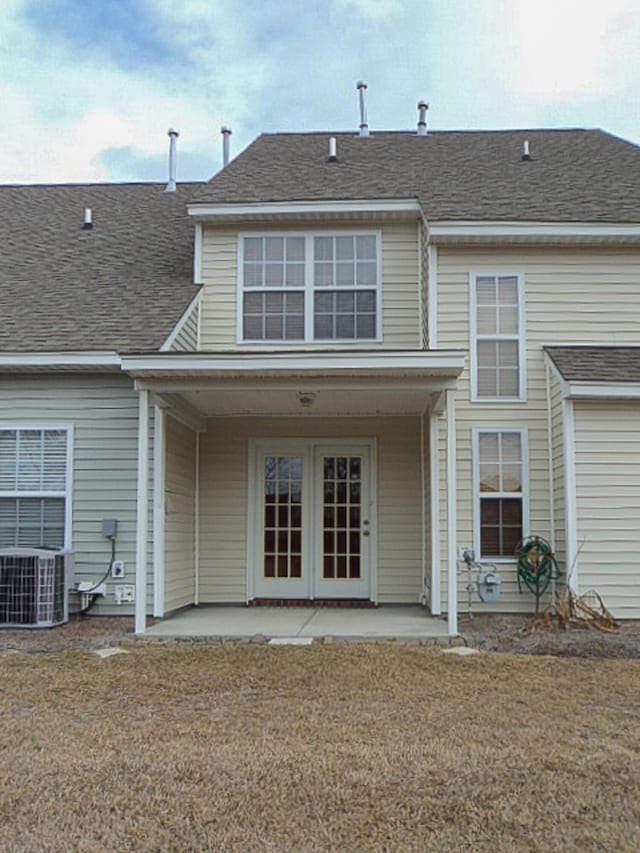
(497, 346)
(33, 487)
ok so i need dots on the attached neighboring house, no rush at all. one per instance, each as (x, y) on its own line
(318, 377)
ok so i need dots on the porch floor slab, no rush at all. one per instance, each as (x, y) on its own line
(383, 623)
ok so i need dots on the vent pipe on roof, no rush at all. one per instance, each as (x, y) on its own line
(423, 106)
(173, 135)
(88, 219)
(364, 127)
(525, 150)
(333, 150)
(226, 144)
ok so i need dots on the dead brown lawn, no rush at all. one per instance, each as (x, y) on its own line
(342, 748)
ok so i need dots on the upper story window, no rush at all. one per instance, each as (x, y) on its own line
(497, 338)
(310, 287)
(34, 487)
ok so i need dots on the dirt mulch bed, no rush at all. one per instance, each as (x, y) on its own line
(521, 635)
(320, 748)
(80, 632)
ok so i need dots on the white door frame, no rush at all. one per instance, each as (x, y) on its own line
(308, 449)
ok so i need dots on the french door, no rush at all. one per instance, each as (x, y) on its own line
(311, 518)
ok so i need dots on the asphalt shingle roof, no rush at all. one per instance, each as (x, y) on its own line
(574, 175)
(597, 364)
(120, 286)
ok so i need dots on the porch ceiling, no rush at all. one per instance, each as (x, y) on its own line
(294, 385)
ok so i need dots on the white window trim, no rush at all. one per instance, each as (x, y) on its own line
(67, 494)
(309, 289)
(523, 432)
(473, 335)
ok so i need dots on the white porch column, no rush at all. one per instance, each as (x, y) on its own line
(142, 511)
(452, 521)
(434, 474)
(159, 444)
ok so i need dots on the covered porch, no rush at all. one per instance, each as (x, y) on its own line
(308, 451)
(402, 622)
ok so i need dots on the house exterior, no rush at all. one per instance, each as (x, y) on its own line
(318, 377)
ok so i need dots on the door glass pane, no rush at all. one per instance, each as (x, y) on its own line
(342, 493)
(282, 486)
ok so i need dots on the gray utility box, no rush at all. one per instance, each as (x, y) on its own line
(489, 586)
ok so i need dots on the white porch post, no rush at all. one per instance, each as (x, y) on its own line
(434, 473)
(159, 443)
(452, 525)
(142, 511)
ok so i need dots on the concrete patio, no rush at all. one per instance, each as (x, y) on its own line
(408, 622)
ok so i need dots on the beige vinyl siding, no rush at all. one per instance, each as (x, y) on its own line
(607, 451)
(400, 286)
(575, 295)
(187, 338)
(103, 410)
(224, 499)
(179, 523)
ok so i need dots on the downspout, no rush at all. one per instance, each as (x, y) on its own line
(452, 525)
(142, 512)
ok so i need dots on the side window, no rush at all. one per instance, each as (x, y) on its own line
(501, 499)
(33, 487)
(309, 287)
(497, 338)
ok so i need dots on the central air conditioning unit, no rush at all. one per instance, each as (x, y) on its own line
(34, 587)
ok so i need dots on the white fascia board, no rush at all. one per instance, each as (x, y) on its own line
(531, 229)
(59, 359)
(452, 361)
(364, 206)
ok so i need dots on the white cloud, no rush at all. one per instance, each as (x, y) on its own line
(564, 49)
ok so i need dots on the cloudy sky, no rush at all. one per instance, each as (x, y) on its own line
(89, 87)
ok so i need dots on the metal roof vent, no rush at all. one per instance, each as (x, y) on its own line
(525, 151)
(364, 127)
(423, 106)
(226, 145)
(87, 225)
(333, 150)
(173, 135)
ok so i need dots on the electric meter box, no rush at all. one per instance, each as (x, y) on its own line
(489, 586)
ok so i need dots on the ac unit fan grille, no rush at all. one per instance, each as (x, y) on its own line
(33, 589)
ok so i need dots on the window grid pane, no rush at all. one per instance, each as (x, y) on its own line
(500, 481)
(344, 269)
(497, 337)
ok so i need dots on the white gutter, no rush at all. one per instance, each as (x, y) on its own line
(364, 206)
(106, 358)
(296, 362)
(472, 228)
